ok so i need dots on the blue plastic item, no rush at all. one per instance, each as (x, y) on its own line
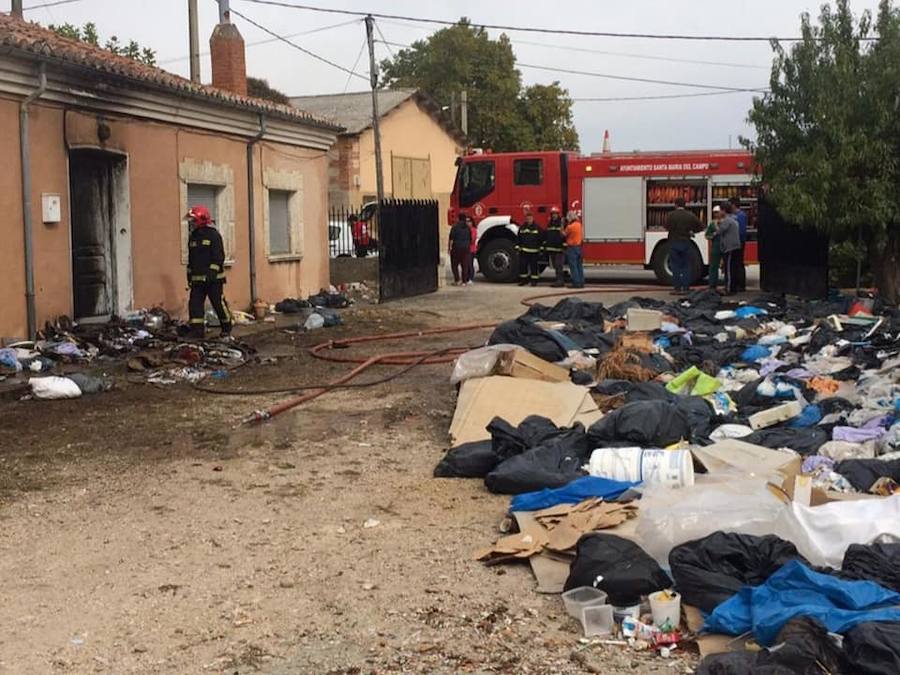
(755, 353)
(576, 491)
(662, 342)
(812, 414)
(749, 310)
(796, 590)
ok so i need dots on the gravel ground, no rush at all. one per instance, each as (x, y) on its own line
(143, 532)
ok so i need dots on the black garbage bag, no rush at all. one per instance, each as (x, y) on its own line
(834, 404)
(649, 391)
(586, 336)
(469, 460)
(529, 336)
(805, 441)
(291, 306)
(873, 562)
(710, 570)
(569, 310)
(805, 648)
(649, 424)
(613, 387)
(624, 569)
(550, 465)
(507, 440)
(331, 300)
(862, 473)
(581, 377)
(702, 418)
(873, 648)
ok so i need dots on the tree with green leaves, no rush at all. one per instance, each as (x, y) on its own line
(501, 114)
(828, 133)
(88, 33)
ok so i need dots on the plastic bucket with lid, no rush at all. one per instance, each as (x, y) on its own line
(667, 467)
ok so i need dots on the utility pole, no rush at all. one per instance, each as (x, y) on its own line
(464, 112)
(16, 10)
(194, 38)
(376, 130)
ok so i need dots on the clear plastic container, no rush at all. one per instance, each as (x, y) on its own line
(577, 599)
(598, 620)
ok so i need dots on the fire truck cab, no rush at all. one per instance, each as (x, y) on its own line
(622, 198)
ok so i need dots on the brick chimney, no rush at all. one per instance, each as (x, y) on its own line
(226, 47)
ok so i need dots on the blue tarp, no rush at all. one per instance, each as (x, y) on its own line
(576, 491)
(796, 590)
(755, 353)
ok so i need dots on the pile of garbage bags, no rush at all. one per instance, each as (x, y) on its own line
(763, 439)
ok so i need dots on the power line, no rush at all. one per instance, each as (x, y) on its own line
(56, 3)
(298, 47)
(625, 78)
(529, 29)
(270, 40)
(356, 63)
(384, 41)
(663, 97)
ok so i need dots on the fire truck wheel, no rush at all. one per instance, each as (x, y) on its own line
(663, 272)
(498, 261)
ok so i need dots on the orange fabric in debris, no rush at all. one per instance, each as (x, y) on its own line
(824, 385)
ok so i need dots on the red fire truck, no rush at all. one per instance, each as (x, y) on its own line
(623, 199)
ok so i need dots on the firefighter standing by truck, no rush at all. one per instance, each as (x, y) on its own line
(205, 272)
(530, 241)
(555, 246)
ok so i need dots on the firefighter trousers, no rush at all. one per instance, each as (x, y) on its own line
(529, 269)
(197, 306)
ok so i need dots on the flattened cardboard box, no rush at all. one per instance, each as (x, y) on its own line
(513, 399)
(524, 364)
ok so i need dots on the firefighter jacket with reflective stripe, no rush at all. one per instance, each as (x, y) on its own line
(554, 239)
(530, 239)
(206, 256)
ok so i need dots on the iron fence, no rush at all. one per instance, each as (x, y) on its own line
(409, 248)
(353, 231)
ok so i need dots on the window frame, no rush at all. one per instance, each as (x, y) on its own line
(467, 199)
(290, 182)
(517, 171)
(221, 176)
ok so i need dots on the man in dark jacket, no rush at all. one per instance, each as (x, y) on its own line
(555, 246)
(740, 269)
(205, 272)
(681, 225)
(530, 241)
(460, 249)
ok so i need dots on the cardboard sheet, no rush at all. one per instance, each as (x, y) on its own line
(747, 458)
(514, 399)
(524, 364)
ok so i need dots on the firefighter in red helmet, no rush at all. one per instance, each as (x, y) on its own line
(555, 246)
(205, 272)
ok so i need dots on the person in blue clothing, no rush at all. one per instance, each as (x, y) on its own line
(740, 271)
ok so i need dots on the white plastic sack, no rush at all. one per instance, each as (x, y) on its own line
(672, 516)
(314, 322)
(54, 387)
(479, 362)
(823, 533)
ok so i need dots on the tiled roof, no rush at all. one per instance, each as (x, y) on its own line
(31, 39)
(354, 110)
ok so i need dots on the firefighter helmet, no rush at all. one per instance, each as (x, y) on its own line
(199, 215)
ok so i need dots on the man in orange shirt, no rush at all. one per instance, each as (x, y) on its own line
(574, 240)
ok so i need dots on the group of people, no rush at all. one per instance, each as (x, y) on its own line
(727, 233)
(561, 241)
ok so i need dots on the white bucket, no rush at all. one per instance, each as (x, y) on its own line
(665, 606)
(674, 468)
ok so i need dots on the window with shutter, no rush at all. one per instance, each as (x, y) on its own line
(279, 222)
(204, 195)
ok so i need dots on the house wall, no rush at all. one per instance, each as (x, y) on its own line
(155, 153)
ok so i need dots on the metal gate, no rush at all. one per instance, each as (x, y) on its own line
(408, 248)
(792, 260)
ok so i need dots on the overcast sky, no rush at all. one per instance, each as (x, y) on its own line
(703, 122)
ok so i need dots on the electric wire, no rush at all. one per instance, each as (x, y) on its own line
(356, 63)
(662, 97)
(44, 5)
(296, 46)
(533, 29)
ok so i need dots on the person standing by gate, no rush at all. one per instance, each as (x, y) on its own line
(555, 246)
(740, 269)
(681, 225)
(715, 247)
(730, 239)
(460, 250)
(574, 240)
(473, 249)
(529, 245)
(361, 239)
(205, 272)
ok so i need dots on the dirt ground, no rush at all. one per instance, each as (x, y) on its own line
(143, 531)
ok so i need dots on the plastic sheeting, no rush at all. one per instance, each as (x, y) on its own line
(649, 424)
(526, 334)
(796, 590)
(823, 533)
(710, 570)
(862, 473)
(672, 517)
(573, 493)
(875, 562)
(617, 566)
(873, 648)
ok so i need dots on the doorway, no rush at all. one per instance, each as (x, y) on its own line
(101, 234)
